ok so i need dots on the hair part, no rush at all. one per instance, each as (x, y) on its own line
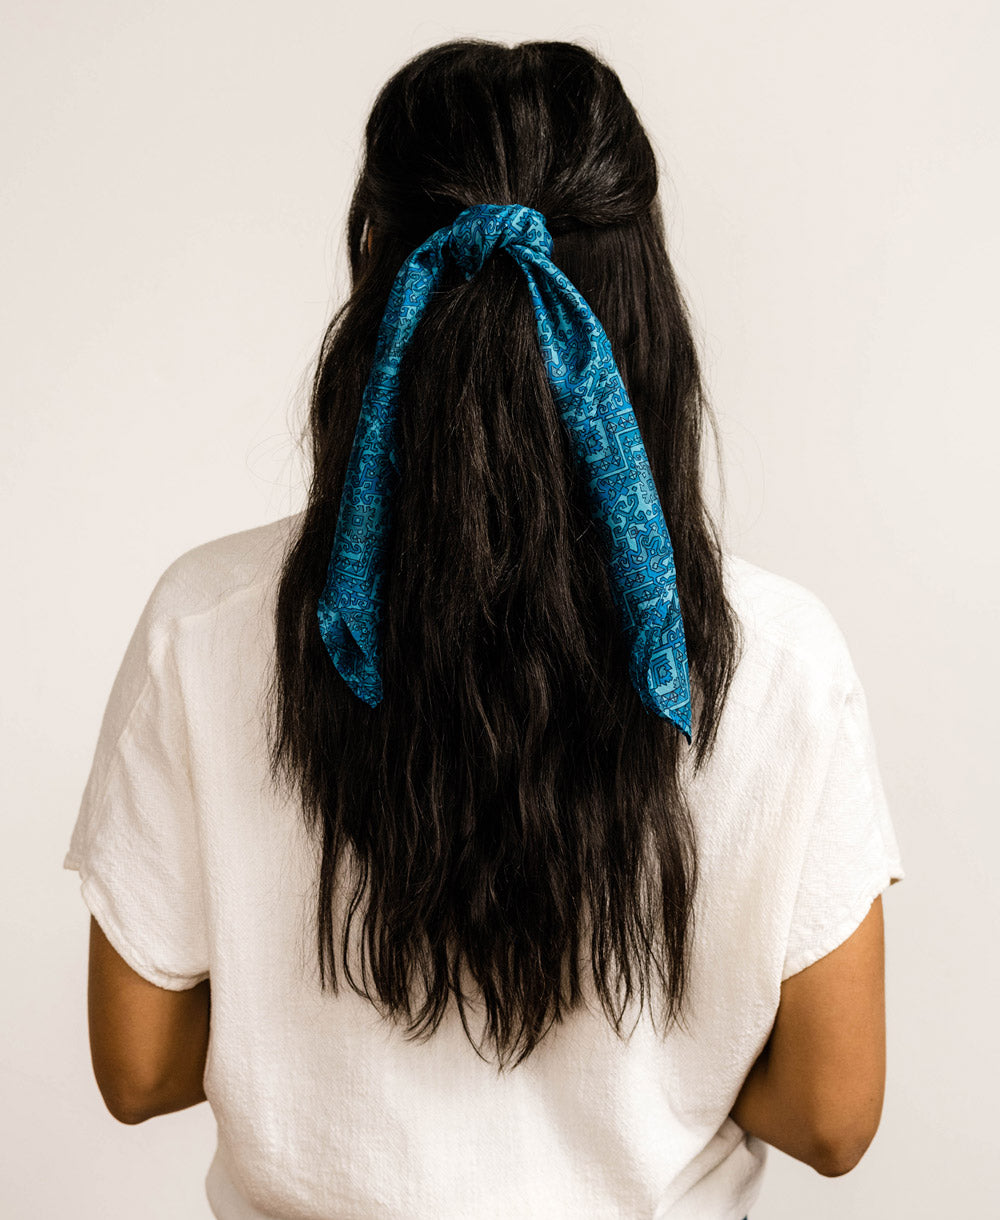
(510, 813)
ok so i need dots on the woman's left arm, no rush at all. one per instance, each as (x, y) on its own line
(148, 1045)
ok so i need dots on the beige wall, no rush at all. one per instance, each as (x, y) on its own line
(174, 184)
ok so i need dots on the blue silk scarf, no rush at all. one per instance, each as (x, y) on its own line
(607, 449)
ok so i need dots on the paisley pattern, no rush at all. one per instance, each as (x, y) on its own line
(608, 452)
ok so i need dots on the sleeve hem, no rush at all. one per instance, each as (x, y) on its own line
(834, 936)
(96, 897)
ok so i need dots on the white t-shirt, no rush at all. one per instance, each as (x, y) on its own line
(194, 869)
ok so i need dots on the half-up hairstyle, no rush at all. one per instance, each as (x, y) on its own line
(509, 820)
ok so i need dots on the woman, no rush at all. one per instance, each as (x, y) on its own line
(583, 809)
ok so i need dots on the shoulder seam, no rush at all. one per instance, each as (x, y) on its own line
(163, 627)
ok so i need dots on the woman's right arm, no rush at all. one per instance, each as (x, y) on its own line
(816, 1090)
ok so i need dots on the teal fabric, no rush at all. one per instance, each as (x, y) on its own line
(607, 449)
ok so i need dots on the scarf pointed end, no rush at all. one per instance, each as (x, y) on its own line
(659, 666)
(349, 638)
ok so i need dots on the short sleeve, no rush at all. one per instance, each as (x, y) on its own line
(851, 852)
(135, 841)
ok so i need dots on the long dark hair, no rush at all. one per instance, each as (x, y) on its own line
(510, 800)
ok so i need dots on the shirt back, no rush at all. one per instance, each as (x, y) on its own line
(194, 869)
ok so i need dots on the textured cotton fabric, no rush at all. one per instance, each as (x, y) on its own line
(193, 869)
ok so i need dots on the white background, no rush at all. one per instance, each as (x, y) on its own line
(173, 190)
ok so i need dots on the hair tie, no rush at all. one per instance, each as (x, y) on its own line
(607, 449)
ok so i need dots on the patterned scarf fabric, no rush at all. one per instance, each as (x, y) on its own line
(607, 449)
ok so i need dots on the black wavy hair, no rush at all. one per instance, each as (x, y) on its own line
(510, 805)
